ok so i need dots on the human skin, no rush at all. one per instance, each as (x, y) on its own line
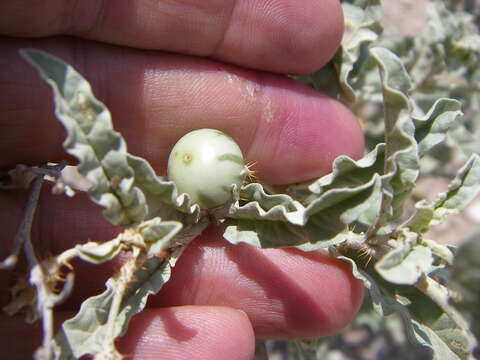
(164, 68)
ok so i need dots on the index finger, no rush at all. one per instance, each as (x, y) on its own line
(290, 131)
(285, 36)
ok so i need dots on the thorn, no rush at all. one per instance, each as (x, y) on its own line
(59, 277)
(250, 172)
(368, 260)
(68, 265)
(365, 252)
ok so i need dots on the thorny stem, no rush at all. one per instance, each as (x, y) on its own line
(127, 274)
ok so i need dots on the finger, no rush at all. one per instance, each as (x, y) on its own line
(291, 132)
(18, 340)
(285, 293)
(281, 35)
(189, 332)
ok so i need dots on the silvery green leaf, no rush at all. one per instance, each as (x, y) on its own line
(435, 329)
(362, 27)
(322, 223)
(432, 128)
(402, 160)
(360, 204)
(126, 185)
(406, 263)
(425, 322)
(98, 253)
(86, 333)
(443, 252)
(453, 29)
(443, 63)
(466, 280)
(158, 235)
(348, 173)
(383, 301)
(421, 219)
(101, 151)
(442, 348)
(260, 205)
(351, 194)
(265, 233)
(339, 239)
(161, 195)
(461, 191)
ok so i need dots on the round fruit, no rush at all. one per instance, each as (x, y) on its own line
(205, 164)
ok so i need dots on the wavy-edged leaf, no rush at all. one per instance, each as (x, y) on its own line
(431, 129)
(158, 235)
(264, 233)
(402, 160)
(98, 253)
(461, 191)
(434, 328)
(360, 204)
(352, 193)
(87, 333)
(349, 173)
(362, 27)
(384, 303)
(440, 339)
(425, 322)
(102, 152)
(124, 184)
(322, 223)
(161, 195)
(407, 262)
(261, 205)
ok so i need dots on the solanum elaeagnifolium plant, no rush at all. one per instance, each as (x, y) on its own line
(358, 212)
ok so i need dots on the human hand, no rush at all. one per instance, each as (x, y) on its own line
(155, 97)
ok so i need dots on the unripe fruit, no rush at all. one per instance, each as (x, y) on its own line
(204, 164)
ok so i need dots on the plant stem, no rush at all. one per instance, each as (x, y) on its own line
(23, 232)
(37, 276)
(45, 297)
(127, 273)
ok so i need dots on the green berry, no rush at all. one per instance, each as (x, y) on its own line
(205, 164)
